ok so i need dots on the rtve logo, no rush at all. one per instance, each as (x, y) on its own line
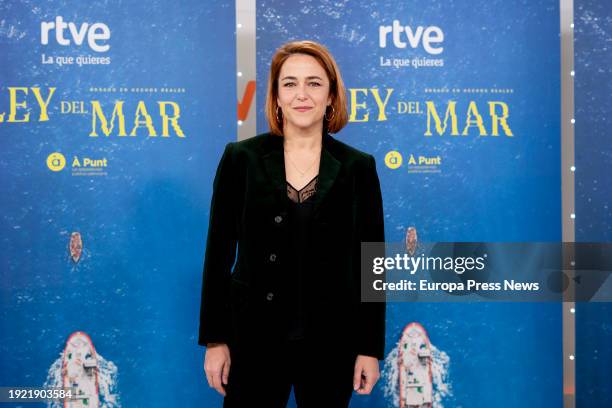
(96, 34)
(422, 35)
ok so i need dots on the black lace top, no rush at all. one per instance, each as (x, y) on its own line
(300, 211)
(300, 196)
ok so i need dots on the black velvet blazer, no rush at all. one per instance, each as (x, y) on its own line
(243, 297)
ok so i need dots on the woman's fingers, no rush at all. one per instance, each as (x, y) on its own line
(365, 376)
(217, 383)
(367, 384)
(357, 376)
(216, 367)
(207, 373)
(225, 372)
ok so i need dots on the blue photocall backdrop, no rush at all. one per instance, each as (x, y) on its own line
(137, 205)
(103, 232)
(593, 112)
(483, 61)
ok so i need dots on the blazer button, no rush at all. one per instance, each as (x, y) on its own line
(270, 296)
(278, 219)
(272, 257)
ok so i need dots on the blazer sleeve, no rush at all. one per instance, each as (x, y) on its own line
(371, 342)
(219, 257)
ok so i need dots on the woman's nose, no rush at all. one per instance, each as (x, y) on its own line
(301, 92)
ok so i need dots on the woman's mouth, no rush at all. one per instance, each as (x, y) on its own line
(302, 108)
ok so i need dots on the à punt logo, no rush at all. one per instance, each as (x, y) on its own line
(81, 166)
(56, 161)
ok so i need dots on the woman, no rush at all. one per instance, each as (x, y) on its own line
(298, 203)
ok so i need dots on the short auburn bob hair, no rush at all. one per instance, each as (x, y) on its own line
(338, 115)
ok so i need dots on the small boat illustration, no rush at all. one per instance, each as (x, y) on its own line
(76, 246)
(411, 240)
(80, 371)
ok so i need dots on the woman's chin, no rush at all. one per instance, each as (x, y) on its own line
(305, 125)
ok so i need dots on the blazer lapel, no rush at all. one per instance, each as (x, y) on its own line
(274, 163)
(329, 168)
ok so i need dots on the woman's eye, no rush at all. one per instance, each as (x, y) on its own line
(289, 84)
(315, 84)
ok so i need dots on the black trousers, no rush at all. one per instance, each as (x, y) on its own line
(262, 376)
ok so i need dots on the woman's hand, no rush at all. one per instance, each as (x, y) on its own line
(217, 365)
(366, 374)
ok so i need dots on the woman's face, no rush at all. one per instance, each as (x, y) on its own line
(303, 93)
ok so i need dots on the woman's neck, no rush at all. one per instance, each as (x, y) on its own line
(298, 139)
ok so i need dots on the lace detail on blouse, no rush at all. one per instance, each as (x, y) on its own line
(299, 196)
